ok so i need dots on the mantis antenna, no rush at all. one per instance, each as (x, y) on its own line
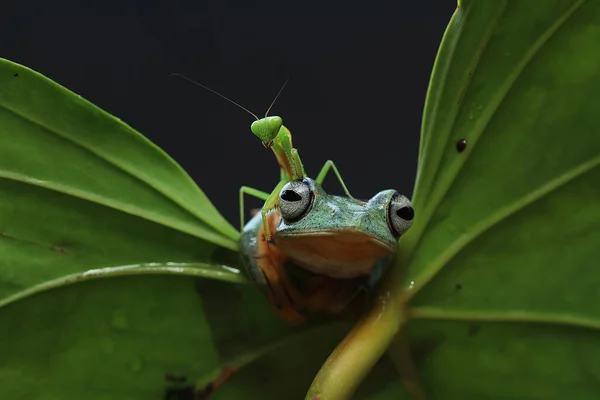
(276, 97)
(228, 99)
(217, 93)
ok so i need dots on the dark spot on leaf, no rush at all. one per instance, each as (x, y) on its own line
(61, 247)
(406, 213)
(16, 74)
(461, 145)
(186, 393)
(458, 287)
(473, 329)
(290, 195)
(175, 378)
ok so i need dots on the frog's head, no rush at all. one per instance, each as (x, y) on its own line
(339, 236)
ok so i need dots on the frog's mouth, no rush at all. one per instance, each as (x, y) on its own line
(338, 254)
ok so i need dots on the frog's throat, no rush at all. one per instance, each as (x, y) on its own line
(391, 247)
(335, 254)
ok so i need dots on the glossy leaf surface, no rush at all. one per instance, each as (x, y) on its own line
(506, 240)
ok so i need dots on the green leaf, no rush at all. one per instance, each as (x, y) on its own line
(505, 241)
(137, 337)
(92, 340)
(81, 190)
(57, 144)
(85, 197)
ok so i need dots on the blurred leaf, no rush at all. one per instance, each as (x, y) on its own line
(126, 338)
(91, 339)
(507, 231)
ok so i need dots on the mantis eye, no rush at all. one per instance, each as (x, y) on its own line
(295, 200)
(400, 214)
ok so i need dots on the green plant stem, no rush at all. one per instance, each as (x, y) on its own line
(364, 345)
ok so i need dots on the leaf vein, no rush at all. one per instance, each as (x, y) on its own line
(494, 219)
(505, 316)
(439, 194)
(207, 234)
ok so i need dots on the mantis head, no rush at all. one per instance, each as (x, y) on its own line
(267, 129)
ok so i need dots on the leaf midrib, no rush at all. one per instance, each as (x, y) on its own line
(494, 219)
(228, 243)
(455, 104)
(125, 208)
(196, 270)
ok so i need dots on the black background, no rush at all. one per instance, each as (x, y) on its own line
(358, 76)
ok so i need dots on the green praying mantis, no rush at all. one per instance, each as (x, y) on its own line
(274, 135)
(306, 249)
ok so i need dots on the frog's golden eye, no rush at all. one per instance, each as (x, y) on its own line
(295, 200)
(400, 214)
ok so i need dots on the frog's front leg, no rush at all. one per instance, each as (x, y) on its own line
(265, 264)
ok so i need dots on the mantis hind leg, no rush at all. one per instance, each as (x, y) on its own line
(323, 173)
(259, 194)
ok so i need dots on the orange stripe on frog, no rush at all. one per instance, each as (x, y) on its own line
(284, 297)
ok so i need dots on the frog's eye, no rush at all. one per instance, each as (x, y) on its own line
(400, 214)
(295, 200)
